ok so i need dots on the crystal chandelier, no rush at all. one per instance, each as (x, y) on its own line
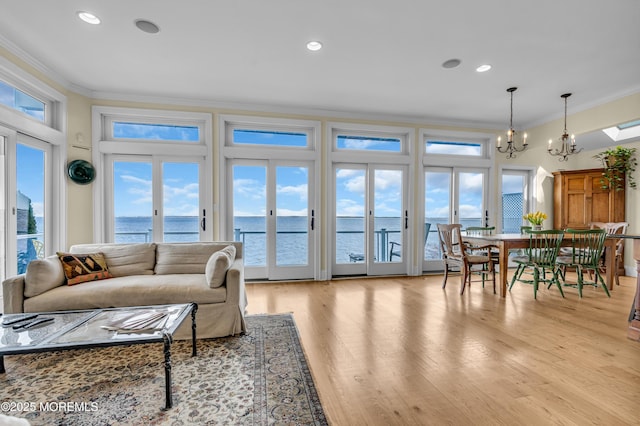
(568, 146)
(511, 148)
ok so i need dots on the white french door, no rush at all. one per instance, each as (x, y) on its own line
(371, 220)
(272, 213)
(452, 195)
(27, 163)
(155, 198)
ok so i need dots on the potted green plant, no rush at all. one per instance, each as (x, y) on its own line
(618, 163)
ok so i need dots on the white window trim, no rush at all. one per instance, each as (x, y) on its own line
(102, 117)
(226, 125)
(532, 176)
(52, 131)
(485, 139)
(345, 156)
(55, 106)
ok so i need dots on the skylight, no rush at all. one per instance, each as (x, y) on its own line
(621, 132)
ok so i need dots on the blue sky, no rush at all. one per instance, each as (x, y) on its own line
(133, 181)
(30, 176)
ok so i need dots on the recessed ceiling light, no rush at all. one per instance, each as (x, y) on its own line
(147, 26)
(483, 68)
(451, 63)
(89, 18)
(314, 45)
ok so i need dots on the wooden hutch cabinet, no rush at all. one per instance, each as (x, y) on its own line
(578, 199)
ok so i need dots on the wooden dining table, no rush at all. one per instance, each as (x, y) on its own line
(507, 242)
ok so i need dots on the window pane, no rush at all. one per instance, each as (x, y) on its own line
(454, 148)
(512, 202)
(388, 218)
(470, 198)
(350, 218)
(292, 235)
(249, 212)
(366, 143)
(437, 209)
(271, 138)
(18, 100)
(30, 166)
(161, 132)
(132, 200)
(181, 196)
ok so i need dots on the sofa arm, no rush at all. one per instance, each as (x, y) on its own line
(13, 294)
(234, 281)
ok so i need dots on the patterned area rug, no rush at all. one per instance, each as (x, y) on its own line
(260, 378)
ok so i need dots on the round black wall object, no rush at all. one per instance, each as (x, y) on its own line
(81, 172)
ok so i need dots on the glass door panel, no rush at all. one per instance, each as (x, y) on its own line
(249, 213)
(133, 201)
(388, 220)
(471, 199)
(437, 207)
(292, 216)
(514, 200)
(181, 202)
(350, 216)
(30, 204)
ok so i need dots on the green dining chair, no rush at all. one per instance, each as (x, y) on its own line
(539, 260)
(585, 253)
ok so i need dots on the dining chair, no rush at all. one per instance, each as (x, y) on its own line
(612, 228)
(540, 259)
(494, 251)
(456, 254)
(587, 246)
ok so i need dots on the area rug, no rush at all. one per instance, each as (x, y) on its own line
(259, 378)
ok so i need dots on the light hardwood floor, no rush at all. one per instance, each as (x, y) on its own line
(402, 351)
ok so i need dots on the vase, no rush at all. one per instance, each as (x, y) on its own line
(537, 227)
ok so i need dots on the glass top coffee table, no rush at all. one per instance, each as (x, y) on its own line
(63, 330)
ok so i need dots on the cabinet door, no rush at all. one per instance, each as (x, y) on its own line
(577, 201)
(601, 205)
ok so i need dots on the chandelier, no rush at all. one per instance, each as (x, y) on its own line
(568, 145)
(511, 146)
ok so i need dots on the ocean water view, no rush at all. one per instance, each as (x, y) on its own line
(291, 239)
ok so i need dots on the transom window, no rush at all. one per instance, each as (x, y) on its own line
(152, 131)
(21, 101)
(269, 138)
(178, 128)
(368, 143)
(454, 148)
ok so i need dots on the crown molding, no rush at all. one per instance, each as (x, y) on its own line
(581, 107)
(33, 62)
(234, 107)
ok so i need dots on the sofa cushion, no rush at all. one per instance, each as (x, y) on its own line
(83, 267)
(217, 266)
(141, 290)
(124, 259)
(43, 275)
(184, 258)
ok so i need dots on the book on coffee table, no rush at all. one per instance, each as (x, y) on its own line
(143, 321)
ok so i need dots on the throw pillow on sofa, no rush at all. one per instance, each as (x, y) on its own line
(42, 275)
(217, 266)
(80, 268)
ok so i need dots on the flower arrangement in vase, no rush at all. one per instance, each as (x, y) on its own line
(535, 219)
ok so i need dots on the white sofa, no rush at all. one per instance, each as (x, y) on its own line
(143, 274)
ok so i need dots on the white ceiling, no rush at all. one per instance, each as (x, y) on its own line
(381, 58)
